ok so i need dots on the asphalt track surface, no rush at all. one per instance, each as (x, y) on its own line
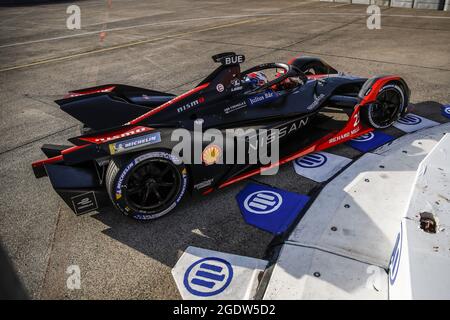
(167, 46)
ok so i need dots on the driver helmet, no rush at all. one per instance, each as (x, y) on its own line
(256, 79)
(288, 83)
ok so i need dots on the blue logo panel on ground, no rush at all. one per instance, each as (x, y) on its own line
(445, 110)
(268, 208)
(370, 141)
(208, 277)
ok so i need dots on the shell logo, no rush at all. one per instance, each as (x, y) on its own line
(211, 154)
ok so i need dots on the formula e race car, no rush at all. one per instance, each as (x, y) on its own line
(125, 154)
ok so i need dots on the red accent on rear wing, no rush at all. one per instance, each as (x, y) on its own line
(83, 92)
(40, 163)
(39, 172)
(114, 135)
(89, 141)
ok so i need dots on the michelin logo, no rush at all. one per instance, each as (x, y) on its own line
(134, 143)
(262, 98)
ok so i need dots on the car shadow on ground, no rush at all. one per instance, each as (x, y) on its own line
(212, 222)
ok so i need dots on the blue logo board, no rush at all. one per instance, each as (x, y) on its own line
(208, 276)
(394, 263)
(312, 160)
(370, 141)
(445, 110)
(410, 120)
(268, 208)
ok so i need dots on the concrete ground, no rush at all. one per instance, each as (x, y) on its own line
(167, 46)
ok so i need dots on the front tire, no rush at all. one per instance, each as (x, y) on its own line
(387, 108)
(148, 185)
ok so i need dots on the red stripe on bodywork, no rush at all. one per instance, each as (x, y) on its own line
(352, 129)
(262, 169)
(114, 135)
(47, 161)
(72, 149)
(58, 158)
(168, 103)
(317, 76)
(372, 96)
(207, 191)
(91, 91)
(99, 139)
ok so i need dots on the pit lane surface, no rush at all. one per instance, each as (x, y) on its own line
(167, 46)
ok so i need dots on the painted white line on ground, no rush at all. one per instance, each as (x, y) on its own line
(212, 18)
(120, 46)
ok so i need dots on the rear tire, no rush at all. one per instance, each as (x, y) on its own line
(146, 186)
(387, 108)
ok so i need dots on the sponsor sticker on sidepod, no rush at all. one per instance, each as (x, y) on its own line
(262, 98)
(134, 143)
(234, 107)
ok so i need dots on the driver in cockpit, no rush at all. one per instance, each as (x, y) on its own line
(257, 79)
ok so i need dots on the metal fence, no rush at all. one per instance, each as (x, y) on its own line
(417, 4)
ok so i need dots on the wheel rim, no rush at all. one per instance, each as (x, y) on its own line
(152, 186)
(385, 109)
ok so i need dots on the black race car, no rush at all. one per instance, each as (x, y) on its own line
(124, 154)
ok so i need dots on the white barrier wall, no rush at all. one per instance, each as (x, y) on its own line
(342, 246)
(420, 260)
(417, 4)
(402, 3)
(429, 4)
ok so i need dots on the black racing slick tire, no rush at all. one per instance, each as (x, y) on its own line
(387, 108)
(148, 185)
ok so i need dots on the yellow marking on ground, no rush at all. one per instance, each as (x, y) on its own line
(120, 46)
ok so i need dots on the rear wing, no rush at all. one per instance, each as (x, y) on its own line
(111, 105)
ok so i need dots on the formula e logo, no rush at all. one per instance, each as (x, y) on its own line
(410, 120)
(394, 263)
(263, 202)
(208, 277)
(313, 160)
(364, 137)
(220, 87)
